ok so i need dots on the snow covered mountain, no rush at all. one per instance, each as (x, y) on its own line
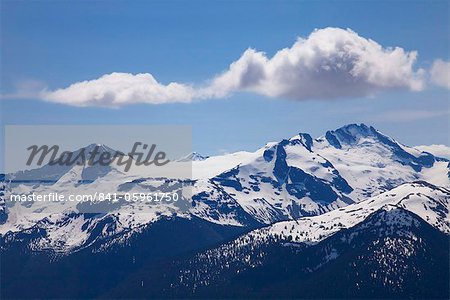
(297, 177)
(429, 202)
(85, 173)
(304, 176)
(320, 204)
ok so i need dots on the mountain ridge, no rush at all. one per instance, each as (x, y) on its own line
(294, 178)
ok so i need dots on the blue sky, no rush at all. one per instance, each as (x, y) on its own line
(54, 44)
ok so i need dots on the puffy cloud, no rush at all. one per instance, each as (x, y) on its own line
(440, 73)
(329, 63)
(118, 89)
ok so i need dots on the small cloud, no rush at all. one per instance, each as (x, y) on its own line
(440, 73)
(119, 89)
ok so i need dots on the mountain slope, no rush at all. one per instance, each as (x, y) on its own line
(387, 250)
(392, 254)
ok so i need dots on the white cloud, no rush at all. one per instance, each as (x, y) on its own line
(118, 89)
(329, 63)
(440, 73)
(436, 150)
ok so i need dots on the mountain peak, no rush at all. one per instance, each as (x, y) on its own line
(304, 138)
(100, 148)
(193, 156)
(349, 134)
(355, 126)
